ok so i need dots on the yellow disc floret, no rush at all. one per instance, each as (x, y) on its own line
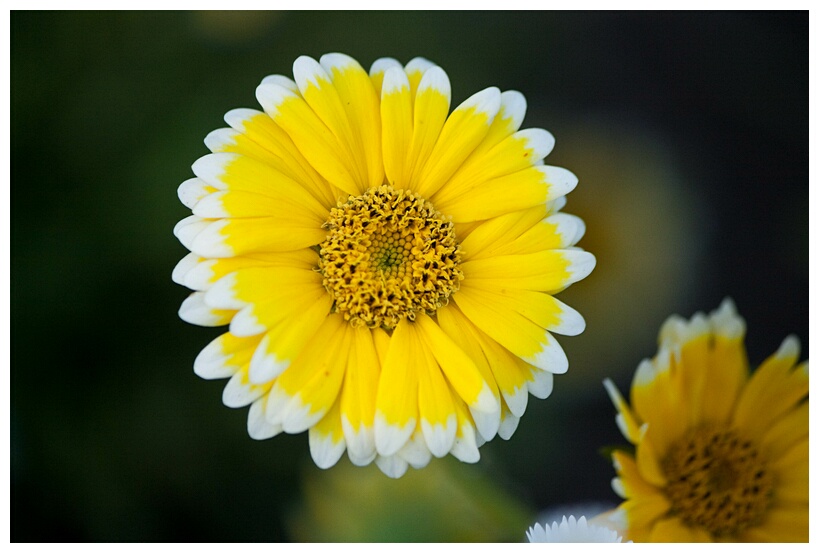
(388, 255)
(717, 481)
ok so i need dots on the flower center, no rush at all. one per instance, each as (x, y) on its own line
(388, 255)
(717, 481)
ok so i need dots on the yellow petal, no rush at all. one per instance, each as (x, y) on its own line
(494, 236)
(326, 439)
(546, 271)
(396, 125)
(321, 95)
(429, 114)
(285, 341)
(672, 530)
(236, 173)
(513, 331)
(308, 388)
(656, 400)
(361, 103)
(460, 370)
(626, 421)
(785, 433)
(259, 137)
(462, 132)
(359, 394)
(774, 389)
(643, 512)
(630, 483)
(727, 376)
(252, 235)
(648, 457)
(208, 271)
(782, 525)
(396, 402)
(378, 69)
(316, 142)
(436, 407)
(505, 194)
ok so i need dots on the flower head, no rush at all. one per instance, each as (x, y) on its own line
(387, 268)
(572, 530)
(720, 455)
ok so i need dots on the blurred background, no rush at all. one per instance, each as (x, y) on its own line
(688, 132)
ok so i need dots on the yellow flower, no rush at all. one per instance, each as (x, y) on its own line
(386, 268)
(720, 455)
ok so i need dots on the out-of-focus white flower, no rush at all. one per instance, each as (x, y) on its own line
(572, 530)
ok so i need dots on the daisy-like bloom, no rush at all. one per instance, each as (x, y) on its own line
(386, 267)
(720, 455)
(572, 530)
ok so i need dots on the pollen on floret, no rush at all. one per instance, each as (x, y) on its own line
(388, 255)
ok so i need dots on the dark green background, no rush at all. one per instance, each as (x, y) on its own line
(688, 132)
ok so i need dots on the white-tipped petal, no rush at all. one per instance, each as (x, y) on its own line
(581, 264)
(265, 366)
(336, 61)
(389, 438)
(223, 293)
(517, 400)
(540, 141)
(513, 105)
(297, 417)
(561, 181)
(308, 71)
(569, 228)
(382, 64)
(324, 451)
(271, 96)
(508, 425)
(185, 265)
(418, 64)
(189, 228)
(415, 451)
(194, 310)
(440, 437)
(211, 206)
(541, 386)
(394, 79)
(258, 427)
(192, 190)
(211, 242)
(436, 79)
(245, 323)
(211, 363)
(393, 466)
(465, 448)
(360, 443)
(220, 139)
(281, 80)
(211, 168)
(551, 357)
(487, 101)
(236, 117)
(571, 322)
(486, 423)
(727, 322)
(200, 275)
(239, 392)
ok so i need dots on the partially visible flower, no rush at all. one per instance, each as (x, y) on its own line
(572, 531)
(720, 455)
(387, 268)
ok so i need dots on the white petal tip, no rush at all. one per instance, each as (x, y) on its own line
(324, 450)
(439, 437)
(393, 466)
(390, 438)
